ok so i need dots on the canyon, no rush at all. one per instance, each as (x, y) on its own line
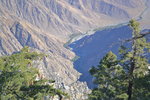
(47, 25)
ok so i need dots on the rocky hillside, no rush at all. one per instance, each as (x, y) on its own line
(46, 25)
(64, 17)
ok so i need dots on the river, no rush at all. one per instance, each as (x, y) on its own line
(94, 44)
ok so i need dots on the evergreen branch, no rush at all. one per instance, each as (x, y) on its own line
(137, 37)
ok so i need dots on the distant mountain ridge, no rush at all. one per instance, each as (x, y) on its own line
(64, 17)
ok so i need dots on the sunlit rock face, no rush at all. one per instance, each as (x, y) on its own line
(64, 17)
(46, 25)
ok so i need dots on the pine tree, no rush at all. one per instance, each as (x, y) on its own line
(126, 77)
(109, 77)
(18, 78)
(135, 62)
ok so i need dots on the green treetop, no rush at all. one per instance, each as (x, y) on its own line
(109, 77)
(125, 77)
(135, 62)
(18, 78)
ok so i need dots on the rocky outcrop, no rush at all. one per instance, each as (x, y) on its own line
(65, 80)
(56, 66)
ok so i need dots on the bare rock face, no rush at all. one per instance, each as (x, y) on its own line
(64, 17)
(46, 25)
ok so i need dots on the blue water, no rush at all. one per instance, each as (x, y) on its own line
(92, 48)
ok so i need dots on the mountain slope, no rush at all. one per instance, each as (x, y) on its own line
(64, 17)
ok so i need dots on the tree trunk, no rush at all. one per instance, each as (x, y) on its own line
(130, 90)
(131, 70)
(60, 97)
